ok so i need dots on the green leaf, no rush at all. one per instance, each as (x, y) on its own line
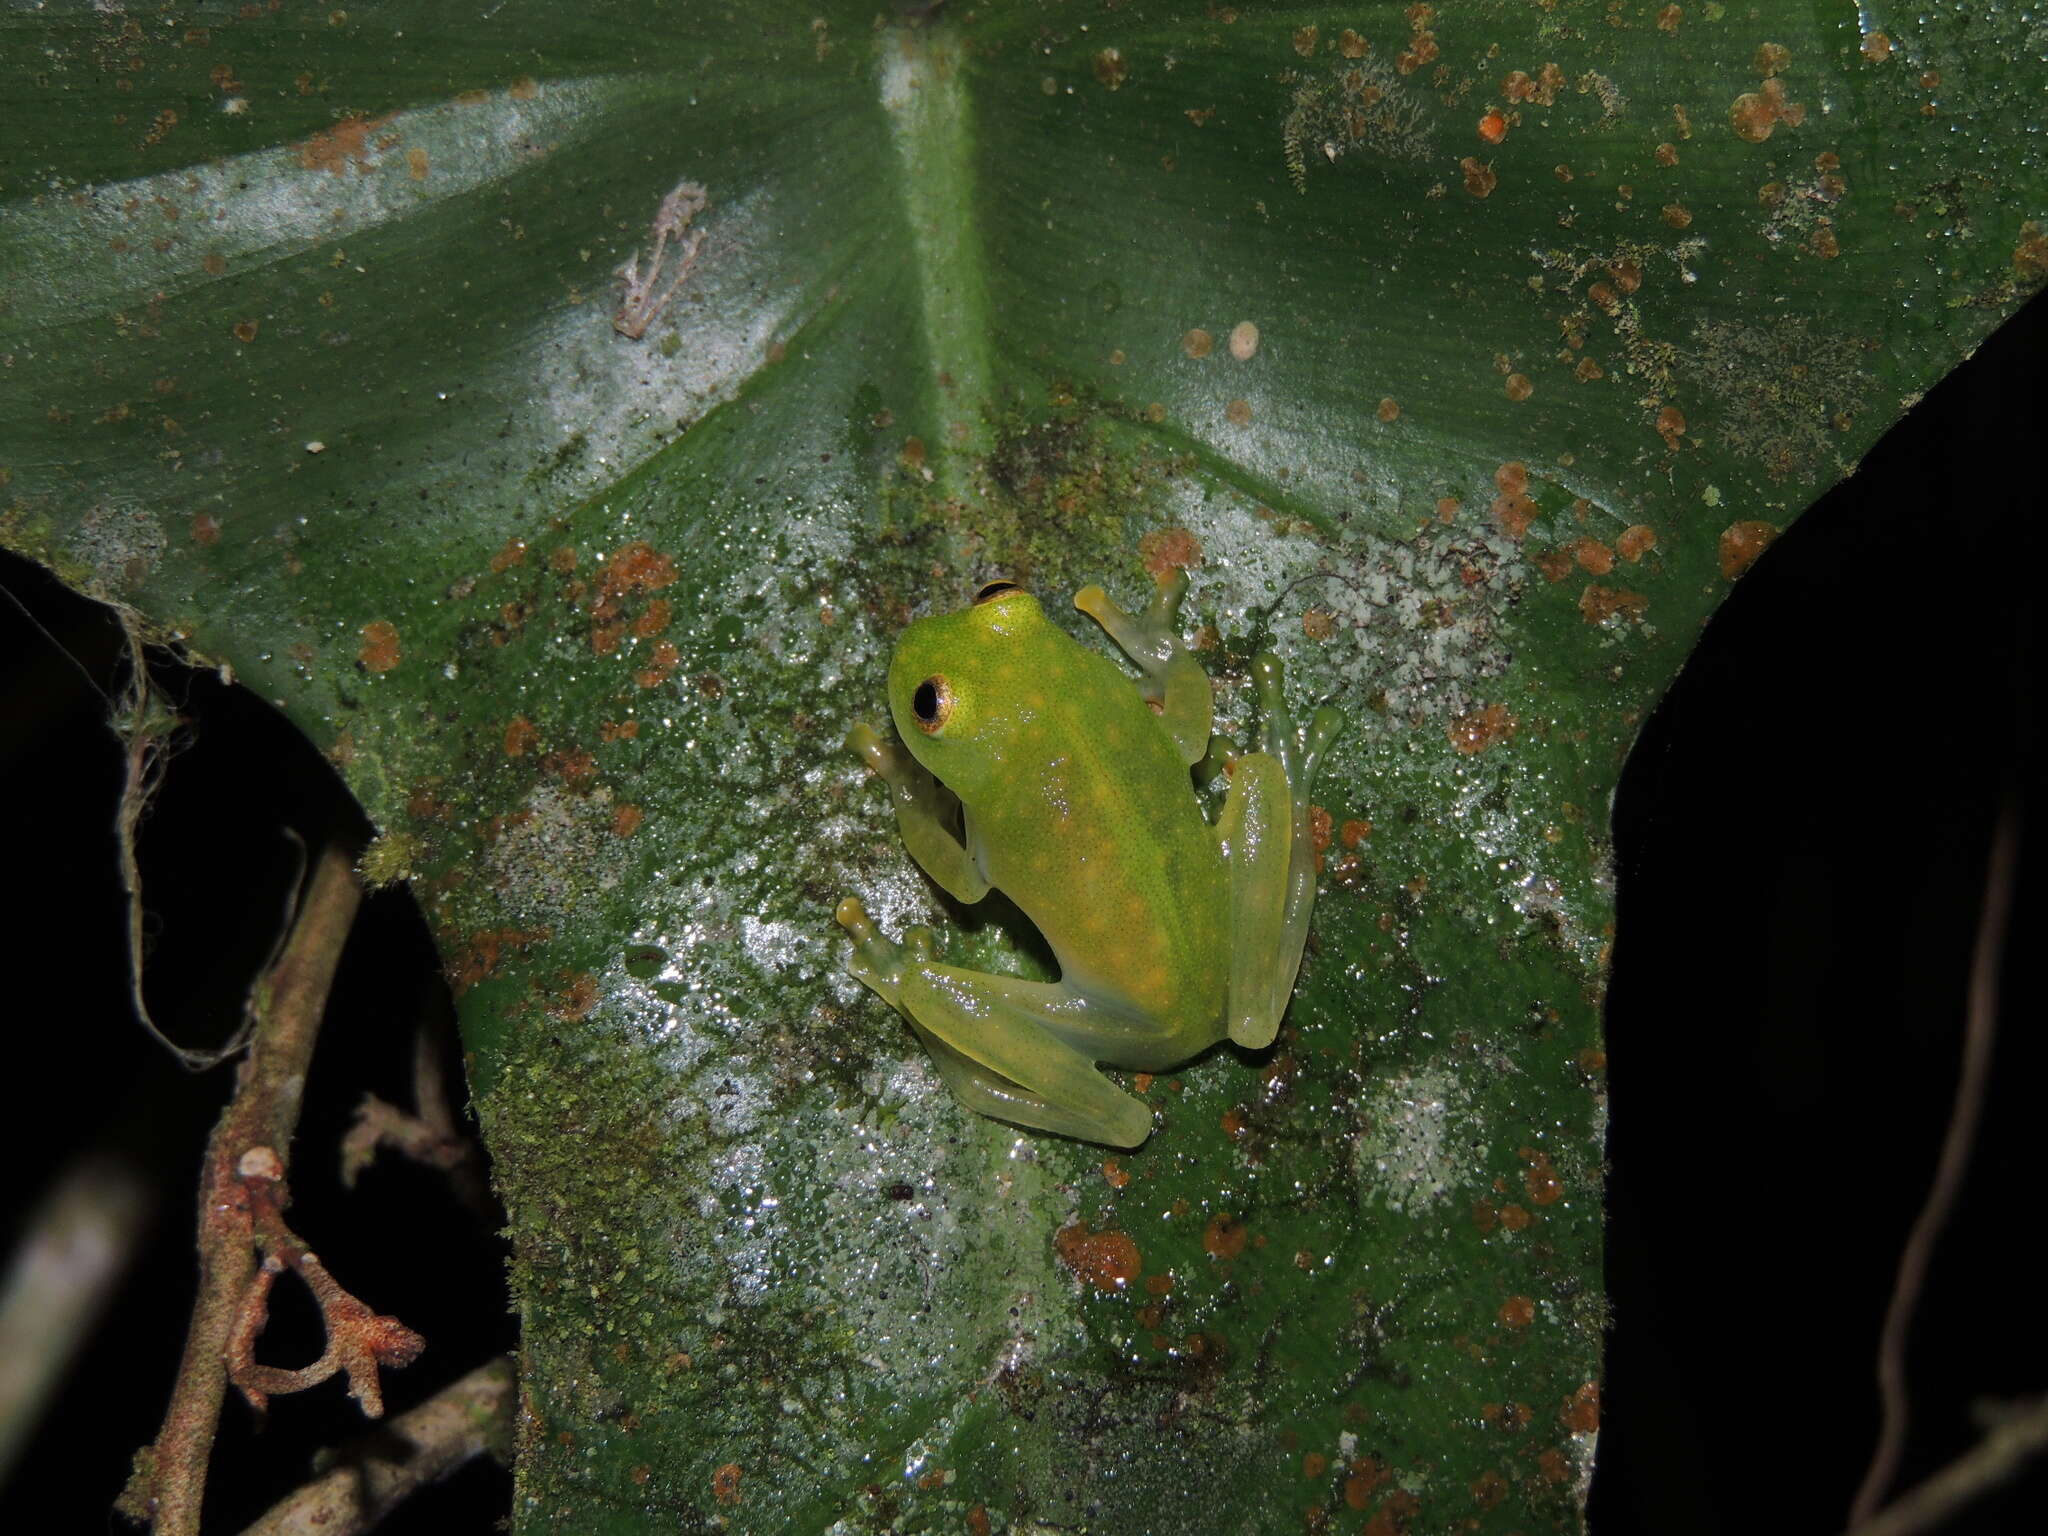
(1467, 355)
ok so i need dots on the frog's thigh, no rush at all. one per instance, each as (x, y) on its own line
(1256, 833)
(926, 812)
(992, 1043)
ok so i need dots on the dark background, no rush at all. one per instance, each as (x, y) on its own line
(1802, 834)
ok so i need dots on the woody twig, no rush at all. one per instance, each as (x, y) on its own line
(244, 1243)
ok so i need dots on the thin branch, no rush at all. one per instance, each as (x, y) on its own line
(1980, 1029)
(367, 1480)
(241, 1198)
(1999, 1457)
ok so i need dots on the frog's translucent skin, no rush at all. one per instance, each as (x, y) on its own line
(1039, 768)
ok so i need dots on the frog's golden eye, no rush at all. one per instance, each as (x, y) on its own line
(992, 590)
(932, 705)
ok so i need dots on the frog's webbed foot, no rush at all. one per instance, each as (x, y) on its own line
(927, 813)
(996, 1040)
(1173, 683)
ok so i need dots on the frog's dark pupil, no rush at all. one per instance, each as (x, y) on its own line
(926, 702)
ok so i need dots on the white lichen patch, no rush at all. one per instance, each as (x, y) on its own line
(1419, 1142)
(119, 544)
(159, 237)
(555, 854)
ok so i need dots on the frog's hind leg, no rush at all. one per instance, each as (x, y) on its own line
(1300, 751)
(1174, 682)
(1268, 846)
(995, 1039)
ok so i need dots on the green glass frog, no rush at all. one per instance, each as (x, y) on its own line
(1040, 768)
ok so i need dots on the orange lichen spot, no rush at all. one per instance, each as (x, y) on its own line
(1488, 1489)
(1447, 509)
(1234, 1123)
(1197, 343)
(1200, 115)
(1555, 564)
(1513, 514)
(618, 730)
(1669, 18)
(1244, 340)
(661, 667)
(1593, 556)
(977, 1521)
(1479, 729)
(562, 560)
(606, 638)
(1929, 79)
(514, 553)
(1635, 542)
(1741, 543)
(1516, 1218)
(912, 453)
(577, 997)
(1224, 1237)
(1395, 1516)
(1755, 114)
(1517, 86)
(1115, 1174)
(379, 651)
(1553, 1466)
(725, 1483)
(1671, 425)
(1352, 833)
(1238, 413)
(205, 530)
(1103, 1261)
(1588, 370)
(627, 820)
(636, 567)
(1518, 387)
(1318, 828)
(347, 143)
(1141, 1084)
(1422, 46)
(1540, 1178)
(1166, 550)
(2030, 256)
(1361, 1477)
(1305, 41)
(1823, 242)
(1389, 409)
(1318, 623)
(1517, 1312)
(1582, 1414)
(521, 737)
(1111, 68)
(654, 618)
(1480, 179)
(1314, 1464)
(1667, 154)
(576, 768)
(523, 88)
(416, 163)
(1485, 1214)
(1598, 604)
(1155, 412)
(1351, 46)
(1677, 215)
(245, 330)
(1876, 47)
(1511, 478)
(1159, 1285)
(1493, 126)
(1771, 59)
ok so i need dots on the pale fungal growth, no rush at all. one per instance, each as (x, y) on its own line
(642, 305)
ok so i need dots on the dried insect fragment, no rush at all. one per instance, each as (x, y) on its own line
(642, 305)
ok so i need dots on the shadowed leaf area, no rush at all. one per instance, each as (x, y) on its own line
(558, 413)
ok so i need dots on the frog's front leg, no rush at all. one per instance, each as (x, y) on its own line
(926, 813)
(1270, 851)
(1174, 681)
(997, 1040)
